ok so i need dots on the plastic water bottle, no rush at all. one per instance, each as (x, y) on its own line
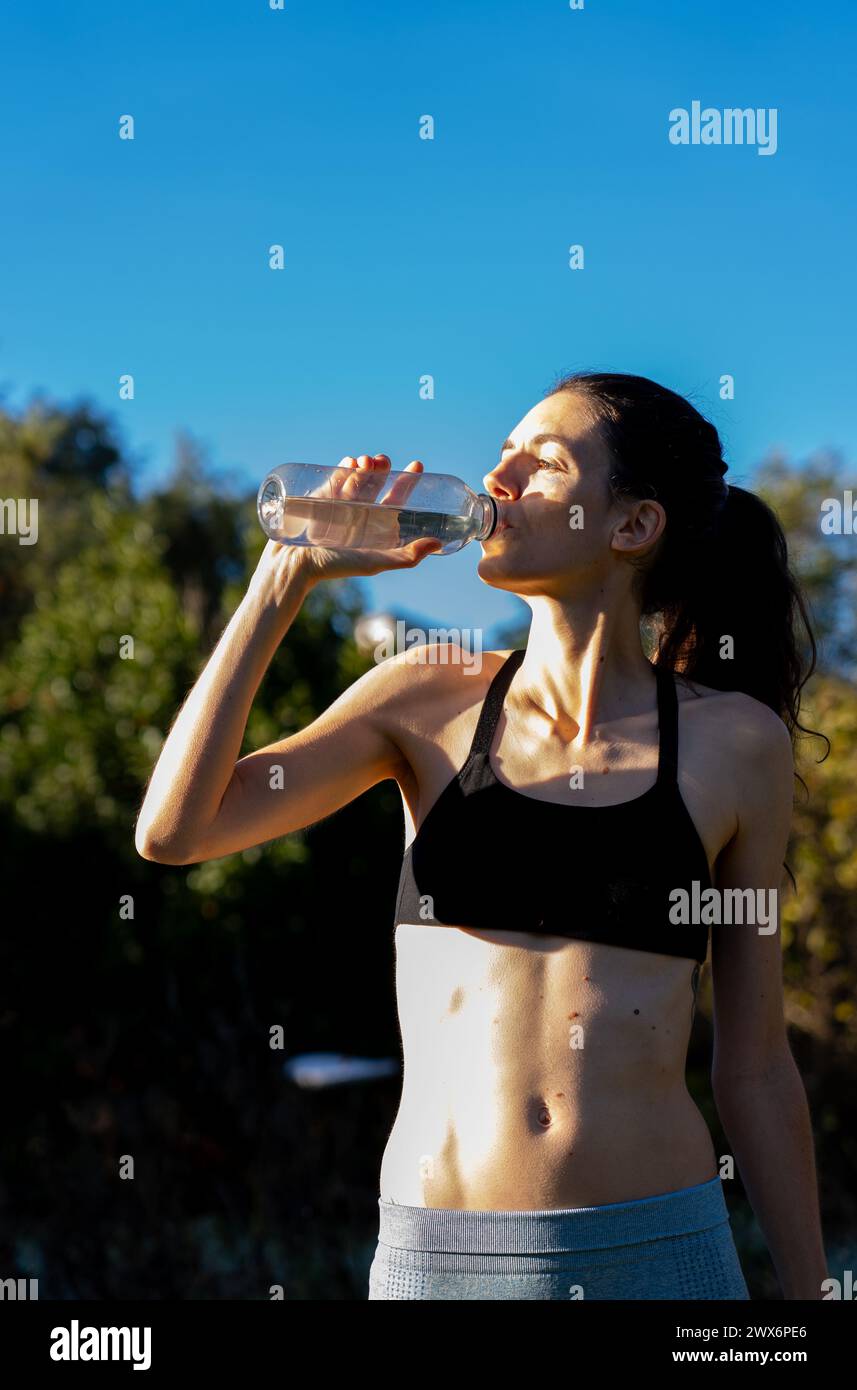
(357, 509)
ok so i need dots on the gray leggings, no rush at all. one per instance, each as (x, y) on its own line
(676, 1246)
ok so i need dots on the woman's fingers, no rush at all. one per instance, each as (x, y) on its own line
(360, 476)
(402, 487)
(346, 481)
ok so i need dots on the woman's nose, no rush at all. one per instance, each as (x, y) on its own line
(502, 482)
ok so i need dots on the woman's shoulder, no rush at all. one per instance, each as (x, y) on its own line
(428, 675)
(449, 657)
(736, 718)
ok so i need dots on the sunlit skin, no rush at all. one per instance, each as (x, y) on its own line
(540, 1071)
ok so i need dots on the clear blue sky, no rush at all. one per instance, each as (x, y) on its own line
(406, 256)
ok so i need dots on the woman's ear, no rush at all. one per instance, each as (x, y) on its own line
(641, 526)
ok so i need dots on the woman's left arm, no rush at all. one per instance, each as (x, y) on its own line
(757, 1088)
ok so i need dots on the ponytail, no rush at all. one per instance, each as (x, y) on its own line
(731, 620)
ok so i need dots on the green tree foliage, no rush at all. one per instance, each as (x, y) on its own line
(138, 998)
(61, 458)
(827, 564)
(820, 916)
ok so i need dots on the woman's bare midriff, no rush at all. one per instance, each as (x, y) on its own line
(540, 1072)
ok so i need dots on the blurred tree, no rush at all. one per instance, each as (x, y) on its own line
(820, 917)
(195, 516)
(826, 564)
(59, 457)
(153, 1024)
(81, 722)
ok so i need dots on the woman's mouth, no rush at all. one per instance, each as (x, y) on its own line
(496, 533)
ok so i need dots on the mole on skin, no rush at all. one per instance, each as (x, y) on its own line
(456, 1001)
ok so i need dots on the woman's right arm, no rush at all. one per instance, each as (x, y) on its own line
(202, 802)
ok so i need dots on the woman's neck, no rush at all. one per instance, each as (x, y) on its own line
(584, 664)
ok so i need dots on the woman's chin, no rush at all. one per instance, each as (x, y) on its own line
(494, 568)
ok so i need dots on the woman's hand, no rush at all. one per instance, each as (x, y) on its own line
(360, 479)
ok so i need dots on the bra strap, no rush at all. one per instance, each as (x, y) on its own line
(667, 725)
(493, 702)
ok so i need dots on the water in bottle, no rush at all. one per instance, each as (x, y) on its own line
(356, 509)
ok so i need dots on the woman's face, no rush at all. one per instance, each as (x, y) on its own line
(553, 495)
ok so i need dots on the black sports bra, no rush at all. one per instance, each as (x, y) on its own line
(594, 873)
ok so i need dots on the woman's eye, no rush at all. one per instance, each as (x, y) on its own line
(548, 463)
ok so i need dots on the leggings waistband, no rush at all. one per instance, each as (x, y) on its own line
(688, 1210)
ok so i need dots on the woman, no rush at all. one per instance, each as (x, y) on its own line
(566, 810)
